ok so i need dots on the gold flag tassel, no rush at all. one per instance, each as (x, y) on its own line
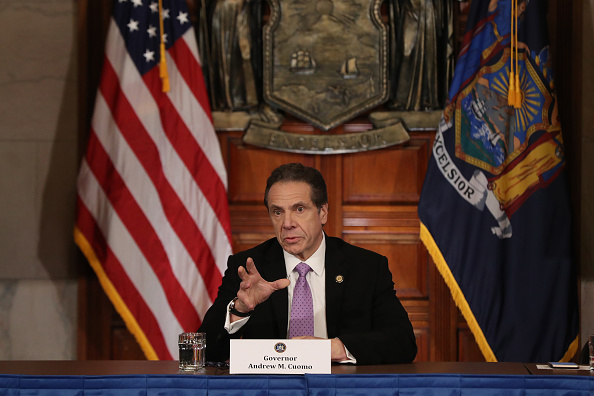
(511, 88)
(162, 61)
(518, 95)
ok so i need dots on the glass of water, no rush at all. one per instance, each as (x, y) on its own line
(192, 351)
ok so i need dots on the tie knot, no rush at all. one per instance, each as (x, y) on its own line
(302, 269)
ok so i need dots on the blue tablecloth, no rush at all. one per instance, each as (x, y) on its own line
(319, 385)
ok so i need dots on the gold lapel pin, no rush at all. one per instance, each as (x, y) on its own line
(339, 278)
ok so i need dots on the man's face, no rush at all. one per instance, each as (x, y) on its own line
(296, 220)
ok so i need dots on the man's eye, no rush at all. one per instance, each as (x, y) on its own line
(301, 209)
(276, 212)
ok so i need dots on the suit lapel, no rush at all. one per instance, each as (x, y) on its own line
(336, 274)
(273, 268)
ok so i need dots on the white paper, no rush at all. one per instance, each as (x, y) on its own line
(547, 367)
(280, 357)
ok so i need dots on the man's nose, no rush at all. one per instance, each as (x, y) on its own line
(288, 220)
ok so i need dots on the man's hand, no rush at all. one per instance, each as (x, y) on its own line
(253, 289)
(337, 349)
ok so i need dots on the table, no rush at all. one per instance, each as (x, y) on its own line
(163, 378)
(164, 367)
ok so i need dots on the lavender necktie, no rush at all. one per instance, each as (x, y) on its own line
(302, 320)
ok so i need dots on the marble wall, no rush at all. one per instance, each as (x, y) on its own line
(38, 165)
(37, 319)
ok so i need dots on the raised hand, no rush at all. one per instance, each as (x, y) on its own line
(254, 289)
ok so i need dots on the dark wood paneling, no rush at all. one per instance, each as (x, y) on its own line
(409, 270)
(422, 337)
(442, 318)
(417, 313)
(384, 176)
(249, 167)
(468, 350)
(250, 225)
(400, 219)
(124, 346)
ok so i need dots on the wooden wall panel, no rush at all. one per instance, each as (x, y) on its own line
(124, 346)
(417, 310)
(422, 337)
(443, 316)
(384, 176)
(468, 350)
(402, 220)
(249, 168)
(250, 225)
(409, 270)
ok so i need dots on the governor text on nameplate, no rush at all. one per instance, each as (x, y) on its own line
(280, 357)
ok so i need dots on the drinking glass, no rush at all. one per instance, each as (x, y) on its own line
(192, 351)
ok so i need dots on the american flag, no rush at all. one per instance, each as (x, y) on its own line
(152, 210)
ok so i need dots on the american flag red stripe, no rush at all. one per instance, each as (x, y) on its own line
(153, 216)
(148, 154)
(191, 149)
(189, 68)
(141, 230)
(120, 280)
(188, 149)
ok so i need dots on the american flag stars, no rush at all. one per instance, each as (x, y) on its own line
(133, 25)
(183, 17)
(152, 31)
(139, 22)
(149, 55)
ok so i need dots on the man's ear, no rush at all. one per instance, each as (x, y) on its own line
(324, 214)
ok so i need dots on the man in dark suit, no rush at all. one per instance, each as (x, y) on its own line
(354, 303)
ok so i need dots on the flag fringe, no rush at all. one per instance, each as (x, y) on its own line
(457, 294)
(571, 351)
(114, 296)
(462, 304)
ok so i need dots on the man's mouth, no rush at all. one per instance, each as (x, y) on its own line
(291, 239)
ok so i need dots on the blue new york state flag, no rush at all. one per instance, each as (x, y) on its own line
(494, 210)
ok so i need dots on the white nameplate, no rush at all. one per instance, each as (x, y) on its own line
(280, 357)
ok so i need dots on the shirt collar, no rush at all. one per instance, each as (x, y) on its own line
(316, 261)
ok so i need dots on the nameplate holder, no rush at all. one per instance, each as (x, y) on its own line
(280, 357)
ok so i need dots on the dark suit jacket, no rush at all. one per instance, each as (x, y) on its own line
(362, 310)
